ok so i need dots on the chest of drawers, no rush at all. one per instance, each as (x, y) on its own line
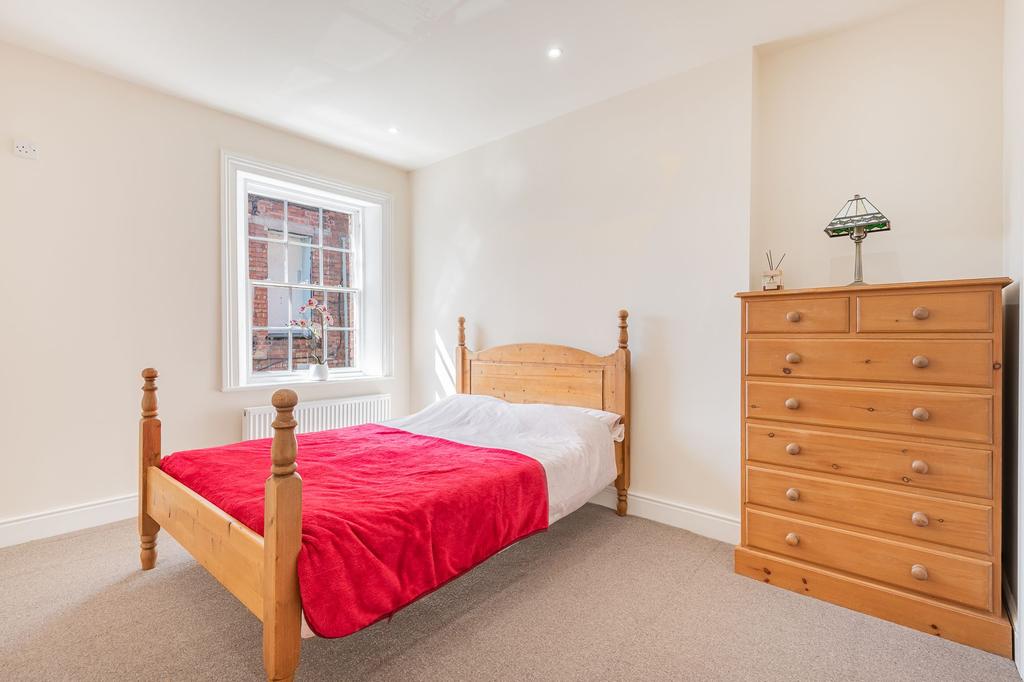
(872, 451)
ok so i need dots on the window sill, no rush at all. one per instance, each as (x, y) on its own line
(296, 381)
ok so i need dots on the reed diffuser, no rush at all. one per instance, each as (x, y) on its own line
(771, 279)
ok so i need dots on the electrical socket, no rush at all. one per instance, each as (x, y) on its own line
(25, 149)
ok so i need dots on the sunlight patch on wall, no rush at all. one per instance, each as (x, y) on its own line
(444, 369)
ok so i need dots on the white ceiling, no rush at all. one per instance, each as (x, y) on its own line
(450, 74)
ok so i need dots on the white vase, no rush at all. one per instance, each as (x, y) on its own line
(318, 371)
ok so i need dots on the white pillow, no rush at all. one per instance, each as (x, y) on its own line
(610, 419)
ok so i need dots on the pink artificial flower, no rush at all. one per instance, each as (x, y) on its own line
(302, 323)
(302, 308)
(311, 302)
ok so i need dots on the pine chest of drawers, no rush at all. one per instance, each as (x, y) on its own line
(871, 467)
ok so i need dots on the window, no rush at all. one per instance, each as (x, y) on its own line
(290, 240)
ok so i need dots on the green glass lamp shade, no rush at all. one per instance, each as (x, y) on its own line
(857, 215)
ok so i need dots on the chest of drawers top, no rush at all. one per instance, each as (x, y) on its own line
(941, 308)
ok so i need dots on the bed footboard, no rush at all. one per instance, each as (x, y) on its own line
(262, 572)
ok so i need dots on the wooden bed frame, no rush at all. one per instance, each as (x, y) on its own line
(261, 571)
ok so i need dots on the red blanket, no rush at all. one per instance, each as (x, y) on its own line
(387, 516)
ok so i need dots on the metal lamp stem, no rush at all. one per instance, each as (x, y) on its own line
(858, 268)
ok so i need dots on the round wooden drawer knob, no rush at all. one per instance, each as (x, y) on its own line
(792, 404)
(919, 466)
(919, 572)
(792, 539)
(792, 494)
(920, 361)
(920, 313)
(793, 358)
(921, 414)
(793, 316)
(919, 519)
(793, 449)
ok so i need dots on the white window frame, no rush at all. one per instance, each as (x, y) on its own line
(374, 344)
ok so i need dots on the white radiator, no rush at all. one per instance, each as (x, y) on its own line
(319, 415)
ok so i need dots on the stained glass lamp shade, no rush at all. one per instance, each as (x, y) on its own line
(858, 212)
(855, 220)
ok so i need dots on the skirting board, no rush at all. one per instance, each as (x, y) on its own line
(59, 521)
(700, 521)
(1010, 604)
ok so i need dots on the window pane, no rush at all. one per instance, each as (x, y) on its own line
(266, 217)
(266, 261)
(304, 346)
(337, 230)
(304, 224)
(270, 307)
(337, 269)
(303, 264)
(342, 307)
(269, 350)
(341, 348)
(300, 298)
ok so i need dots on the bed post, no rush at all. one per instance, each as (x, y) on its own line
(282, 538)
(149, 455)
(622, 381)
(461, 380)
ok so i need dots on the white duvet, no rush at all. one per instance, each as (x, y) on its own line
(574, 445)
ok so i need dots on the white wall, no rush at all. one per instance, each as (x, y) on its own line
(906, 110)
(639, 202)
(111, 263)
(1013, 260)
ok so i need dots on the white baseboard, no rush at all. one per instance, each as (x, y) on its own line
(1010, 602)
(59, 521)
(700, 521)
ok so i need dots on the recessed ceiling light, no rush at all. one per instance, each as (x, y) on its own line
(393, 130)
(554, 52)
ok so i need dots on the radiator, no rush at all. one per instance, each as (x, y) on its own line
(319, 415)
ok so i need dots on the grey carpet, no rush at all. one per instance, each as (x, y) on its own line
(595, 598)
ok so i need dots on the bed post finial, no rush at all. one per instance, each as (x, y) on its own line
(284, 447)
(462, 331)
(623, 329)
(282, 539)
(149, 456)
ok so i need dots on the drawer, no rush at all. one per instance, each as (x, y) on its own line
(940, 574)
(969, 311)
(945, 522)
(920, 361)
(955, 416)
(916, 465)
(798, 315)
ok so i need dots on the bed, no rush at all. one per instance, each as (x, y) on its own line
(441, 491)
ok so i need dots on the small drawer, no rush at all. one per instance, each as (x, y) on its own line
(924, 361)
(930, 467)
(954, 416)
(945, 522)
(932, 572)
(968, 311)
(798, 315)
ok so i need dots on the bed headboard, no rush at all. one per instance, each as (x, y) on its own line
(559, 375)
